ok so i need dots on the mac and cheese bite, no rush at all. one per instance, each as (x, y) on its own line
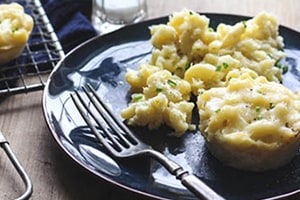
(251, 123)
(164, 100)
(15, 28)
(187, 44)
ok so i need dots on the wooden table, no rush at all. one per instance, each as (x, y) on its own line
(55, 176)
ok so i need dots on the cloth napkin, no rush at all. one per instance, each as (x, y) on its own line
(70, 20)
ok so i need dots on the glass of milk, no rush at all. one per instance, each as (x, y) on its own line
(109, 15)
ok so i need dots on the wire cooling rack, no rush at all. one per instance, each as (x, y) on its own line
(30, 71)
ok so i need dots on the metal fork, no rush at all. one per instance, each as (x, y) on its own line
(122, 143)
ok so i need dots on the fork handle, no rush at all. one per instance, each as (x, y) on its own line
(190, 181)
(200, 189)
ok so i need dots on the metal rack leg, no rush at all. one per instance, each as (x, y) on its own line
(29, 188)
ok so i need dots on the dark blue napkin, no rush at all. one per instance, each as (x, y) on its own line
(71, 21)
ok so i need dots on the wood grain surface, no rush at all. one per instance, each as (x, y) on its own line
(56, 177)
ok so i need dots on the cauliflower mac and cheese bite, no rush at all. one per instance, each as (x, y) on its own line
(246, 116)
(15, 28)
(251, 124)
(164, 100)
(188, 47)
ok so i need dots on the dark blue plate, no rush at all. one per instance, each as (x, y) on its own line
(102, 62)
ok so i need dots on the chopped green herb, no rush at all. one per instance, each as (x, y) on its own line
(270, 55)
(278, 65)
(259, 92)
(225, 65)
(244, 23)
(271, 105)
(137, 97)
(15, 29)
(191, 13)
(159, 90)
(187, 65)
(257, 109)
(285, 69)
(230, 77)
(218, 68)
(218, 110)
(210, 29)
(172, 83)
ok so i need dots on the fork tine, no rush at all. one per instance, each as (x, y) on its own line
(82, 108)
(116, 124)
(119, 137)
(116, 137)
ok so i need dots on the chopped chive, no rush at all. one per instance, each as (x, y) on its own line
(191, 13)
(285, 69)
(159, 90)
(172, 83)
(137, 97)
(210, 29)
(15, 29)
(257, 109)
(278, 65)
(259, 92)
(225, 65)
(187, 65)
(218, 68)
(218, 110)
(270, 55)
(271, 105)
(244, 23)
(230, 77)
